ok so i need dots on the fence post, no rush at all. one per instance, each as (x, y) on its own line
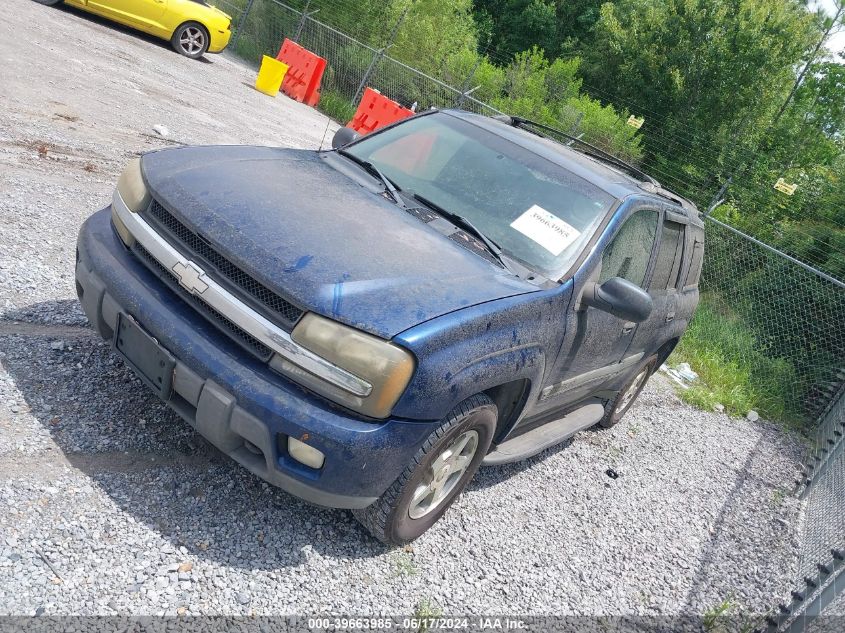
(573, 129)
(305, 15)
(241, 22)
(465, 86)
(378, 55)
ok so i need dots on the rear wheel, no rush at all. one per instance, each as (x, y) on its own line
(50, 3)
(618, 407)
(440, 471)
(191, 40)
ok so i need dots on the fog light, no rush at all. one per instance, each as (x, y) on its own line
(305, 454)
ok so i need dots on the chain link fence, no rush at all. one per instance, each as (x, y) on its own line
(793, 316)
(351, 65)
(817, 602)
(787, 319)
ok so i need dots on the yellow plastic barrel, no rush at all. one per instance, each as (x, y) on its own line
(270, 76)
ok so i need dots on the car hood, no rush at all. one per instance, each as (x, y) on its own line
(320, 239)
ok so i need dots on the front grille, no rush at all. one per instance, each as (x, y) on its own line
(277, 305)
(240, 336)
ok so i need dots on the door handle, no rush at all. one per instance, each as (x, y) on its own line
(628, 327)
(670, 317)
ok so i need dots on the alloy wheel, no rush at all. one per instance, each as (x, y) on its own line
(443, 475)
(192, 40)
(632, 391)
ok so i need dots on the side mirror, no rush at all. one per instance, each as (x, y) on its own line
(344, 136)
(619, 297)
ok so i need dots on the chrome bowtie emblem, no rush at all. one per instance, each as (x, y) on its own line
(190, 277)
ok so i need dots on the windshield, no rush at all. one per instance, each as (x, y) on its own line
(537, 212)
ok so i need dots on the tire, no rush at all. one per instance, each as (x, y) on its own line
(618, 407)
(398, 517)
(191, 39)
(50, 3)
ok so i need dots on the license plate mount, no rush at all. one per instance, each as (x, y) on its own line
(152, 363)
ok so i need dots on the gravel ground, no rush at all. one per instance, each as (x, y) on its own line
(110, 504)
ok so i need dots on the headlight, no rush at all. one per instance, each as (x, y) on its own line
(387, 367)
(131, 187)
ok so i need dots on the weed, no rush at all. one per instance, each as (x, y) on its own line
(426, 608)
(711, 617)
(732, 368)
(404, 565)
(336, 106)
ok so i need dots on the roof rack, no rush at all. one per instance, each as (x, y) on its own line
(583, 146)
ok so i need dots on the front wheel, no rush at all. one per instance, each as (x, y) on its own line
(50, 3)
(438, 474)
(618, 407)
(191, 40)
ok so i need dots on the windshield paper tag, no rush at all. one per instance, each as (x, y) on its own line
(545, 228)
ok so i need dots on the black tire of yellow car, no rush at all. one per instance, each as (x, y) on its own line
(612, 411)
(50, 3)
(175, 41)
(389, 519)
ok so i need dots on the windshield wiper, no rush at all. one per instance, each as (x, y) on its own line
(389, 187)
(467, 225)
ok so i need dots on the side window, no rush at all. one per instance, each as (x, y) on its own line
(668, 261)
(696, 261)
(627, 256)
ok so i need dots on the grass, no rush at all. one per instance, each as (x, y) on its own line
(426, 608)
(404, 565)
(732, 369)
(711, 617)
(336, 106)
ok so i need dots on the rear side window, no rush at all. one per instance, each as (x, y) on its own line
(668, 262)
(627, 256)
(696, 261)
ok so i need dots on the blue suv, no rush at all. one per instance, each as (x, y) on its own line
(366, 326)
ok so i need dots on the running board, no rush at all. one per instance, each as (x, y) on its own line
(549, 434)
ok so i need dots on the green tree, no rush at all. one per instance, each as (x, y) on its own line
(706, 74)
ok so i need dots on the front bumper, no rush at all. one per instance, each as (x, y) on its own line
(232, 399)
(219, 40)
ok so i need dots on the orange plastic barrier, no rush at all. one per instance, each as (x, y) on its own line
(375, 111)
(305, 72)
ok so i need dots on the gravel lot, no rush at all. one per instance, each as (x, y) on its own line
(110, 504)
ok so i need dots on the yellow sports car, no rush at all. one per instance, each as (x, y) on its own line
(192, 26)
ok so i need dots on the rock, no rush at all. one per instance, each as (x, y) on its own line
(185, 567)
(752, 416)
(243, 598)
(719, 407)
(161, 130)
(57, 345)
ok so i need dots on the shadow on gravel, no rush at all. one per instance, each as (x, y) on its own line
(96, 19)
(151, 463)
(488, 476)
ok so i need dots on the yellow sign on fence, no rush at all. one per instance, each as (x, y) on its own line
(781, 186)
(636, 123)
